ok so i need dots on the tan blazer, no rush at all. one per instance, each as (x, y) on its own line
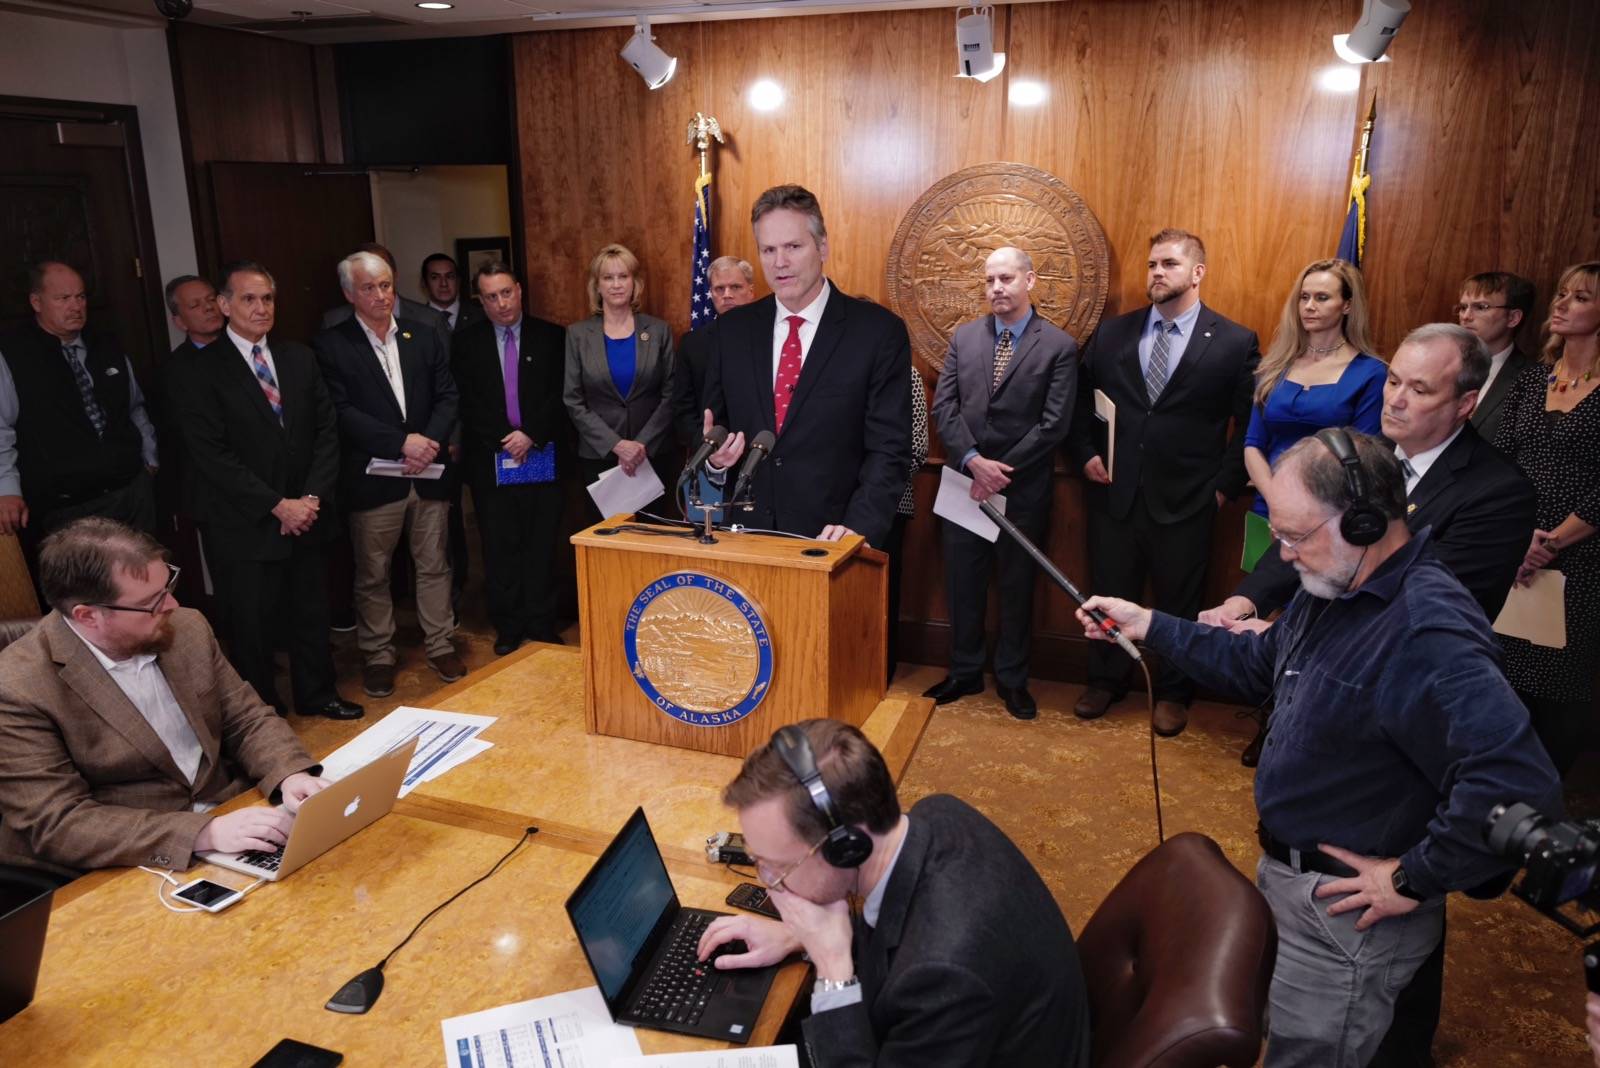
(604, 416)
(85, 782)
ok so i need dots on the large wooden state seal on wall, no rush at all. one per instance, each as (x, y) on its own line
(935, 271)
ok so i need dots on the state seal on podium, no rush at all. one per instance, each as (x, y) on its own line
(699, 648)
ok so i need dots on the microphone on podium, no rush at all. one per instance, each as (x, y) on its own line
(709, 444)
(1106, 623)
(760, 449)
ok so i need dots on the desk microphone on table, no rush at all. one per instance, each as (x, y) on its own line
(361, 992)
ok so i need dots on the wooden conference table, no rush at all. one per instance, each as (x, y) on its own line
(124, 981)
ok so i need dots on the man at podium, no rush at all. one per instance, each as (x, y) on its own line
(825, 374)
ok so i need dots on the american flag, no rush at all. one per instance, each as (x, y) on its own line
(701, 310)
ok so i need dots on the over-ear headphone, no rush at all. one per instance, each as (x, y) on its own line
(845, 846)
(1362, 523)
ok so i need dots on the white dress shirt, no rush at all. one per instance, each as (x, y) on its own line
(140, 678)
(1497, 363)
(388, 353)
(811, 313)
(451, 312)
(244, 350)
(1424, 460)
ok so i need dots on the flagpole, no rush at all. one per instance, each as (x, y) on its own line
(1359, 166)
(703, 129)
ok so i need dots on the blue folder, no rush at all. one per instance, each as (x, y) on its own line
(539, 465)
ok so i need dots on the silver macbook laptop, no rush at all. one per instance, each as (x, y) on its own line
(329, 817)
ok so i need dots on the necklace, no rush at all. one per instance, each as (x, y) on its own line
(1324, 352)
(1557, 384)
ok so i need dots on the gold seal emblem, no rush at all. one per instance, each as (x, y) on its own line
(935, 272)
(701, 645)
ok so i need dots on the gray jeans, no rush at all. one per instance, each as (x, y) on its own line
(1334, 988)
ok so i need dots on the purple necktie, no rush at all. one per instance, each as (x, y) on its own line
(513, 400)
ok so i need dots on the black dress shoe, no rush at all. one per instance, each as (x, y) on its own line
(338, 708)
(1019, 702)
(505, 644)
(953, 689)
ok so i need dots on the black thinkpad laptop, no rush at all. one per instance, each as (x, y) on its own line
(642, 947)
(22, 936)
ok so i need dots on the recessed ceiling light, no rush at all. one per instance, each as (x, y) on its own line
(435, 5)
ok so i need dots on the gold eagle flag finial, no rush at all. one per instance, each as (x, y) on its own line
(702, 128)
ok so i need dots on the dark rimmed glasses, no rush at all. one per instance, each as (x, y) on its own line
(161, 599)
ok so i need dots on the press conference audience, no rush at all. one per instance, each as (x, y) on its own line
(405, 307)
(1495, 305)
(958, 955)
(122, 725)
(192, 302)
(732, 284)
(1551, 430)
(1320, 370)
(442, 284)
(1394, 734)
(396, 401)
(75, 439)
(618, 374)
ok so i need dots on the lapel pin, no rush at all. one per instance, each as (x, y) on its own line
(1208, 333)
(1410, 508)
(111, 371)
(406, 334)
(644, 335)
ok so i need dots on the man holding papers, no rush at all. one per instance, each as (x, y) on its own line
(958, 954)
(1178, 374)
(122, 725)
(1002, 406)
(263, 446)
(508, 370)
(391, 386)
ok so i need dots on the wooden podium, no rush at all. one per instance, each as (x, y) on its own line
(714, 647)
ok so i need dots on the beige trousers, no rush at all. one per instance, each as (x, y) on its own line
(375, 532)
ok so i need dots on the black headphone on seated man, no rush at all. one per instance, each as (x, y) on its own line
(1362, 523)
(845, 846)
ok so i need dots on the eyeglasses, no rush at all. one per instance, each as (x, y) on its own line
(166, 591)
(1478, 307)
(1293, 544)
(777, 884)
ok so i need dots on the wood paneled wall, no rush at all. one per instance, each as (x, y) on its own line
(1206, 114)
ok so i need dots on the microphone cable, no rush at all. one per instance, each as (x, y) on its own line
(1112, 632)
(361, 992)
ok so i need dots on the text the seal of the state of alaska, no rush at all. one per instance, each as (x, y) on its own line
(935, 272)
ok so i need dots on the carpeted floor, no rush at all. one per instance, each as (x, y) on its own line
(1076, 796)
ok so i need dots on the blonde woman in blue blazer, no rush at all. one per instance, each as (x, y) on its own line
(619, 373)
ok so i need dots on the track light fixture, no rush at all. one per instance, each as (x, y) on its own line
(1373, 32)
(643, 55)
(975, 54)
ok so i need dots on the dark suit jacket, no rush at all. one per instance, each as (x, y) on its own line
(404, 308)
(1179, 452)
(370, 423)
(242, 461)
(85, 781)
(845, 451)
(475, 362)
(1491, 404)
(688, 384)
(1025, 418)
(468, 313)
(1481, 509)
(601, 414)
(971, 962)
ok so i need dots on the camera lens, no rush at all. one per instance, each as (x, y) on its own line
(1514, 831)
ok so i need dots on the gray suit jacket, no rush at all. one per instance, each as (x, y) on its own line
(85, 781)
(404, 308)
(1023, 420)
(602, 415)
(1492, 404)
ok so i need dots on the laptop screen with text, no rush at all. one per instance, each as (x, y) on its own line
(620, 903)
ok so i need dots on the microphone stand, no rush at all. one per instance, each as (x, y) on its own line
(706, 537)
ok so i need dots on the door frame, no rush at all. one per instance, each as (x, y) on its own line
(42, 109)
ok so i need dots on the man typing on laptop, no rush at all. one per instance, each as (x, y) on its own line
(122, 724)
(958, 954)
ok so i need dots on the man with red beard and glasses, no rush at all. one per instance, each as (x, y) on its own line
(122, 725)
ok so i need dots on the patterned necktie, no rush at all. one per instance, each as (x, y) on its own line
(1155, 377)
(509, 366)
(449, 320)
(269, 385)
(1002, 358)
(788, 372)
(80, 374)
(1406, 468)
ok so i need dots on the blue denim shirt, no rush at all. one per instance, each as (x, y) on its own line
(1394, 730)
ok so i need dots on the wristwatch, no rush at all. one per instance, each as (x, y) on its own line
(828, 986)
(1402, 885)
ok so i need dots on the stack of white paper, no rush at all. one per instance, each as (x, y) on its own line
(614, 492)
(750, 1057)
(445, 740)
(955, 503)
(570, 1030)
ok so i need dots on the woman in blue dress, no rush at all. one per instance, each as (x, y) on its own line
(1321, 369)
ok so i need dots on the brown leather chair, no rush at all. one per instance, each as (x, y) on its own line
(1178, 959)
(12, 629)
